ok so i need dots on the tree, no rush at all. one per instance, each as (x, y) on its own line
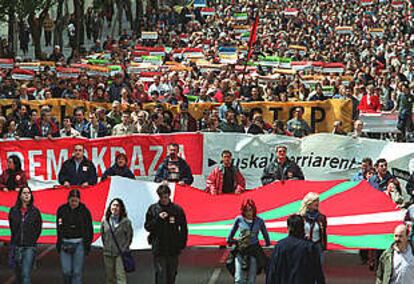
(31, 10)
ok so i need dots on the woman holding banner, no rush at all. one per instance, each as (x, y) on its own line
(315, 221)
(14, 178)
(248, 254)
(25, 225)
(116, 232)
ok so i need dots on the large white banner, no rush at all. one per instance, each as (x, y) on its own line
(321, 156)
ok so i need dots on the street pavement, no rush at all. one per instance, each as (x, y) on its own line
(197, 266)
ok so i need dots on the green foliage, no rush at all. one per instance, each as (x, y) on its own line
(23, 8)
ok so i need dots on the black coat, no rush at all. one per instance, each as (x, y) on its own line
(185, 171)
(117, 171)
(74, 223)
(86, 172)
(166, 239)
(295, 261)
(25, 233)
(276, 171)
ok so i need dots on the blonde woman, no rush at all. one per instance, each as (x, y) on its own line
(315, 221)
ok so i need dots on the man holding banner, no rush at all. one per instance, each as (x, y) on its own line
(281, 169)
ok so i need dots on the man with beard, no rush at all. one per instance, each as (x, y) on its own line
(174, 168)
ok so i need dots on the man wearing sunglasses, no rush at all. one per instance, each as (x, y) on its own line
(281, 169)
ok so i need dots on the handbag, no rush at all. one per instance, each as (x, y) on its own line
(127, 259)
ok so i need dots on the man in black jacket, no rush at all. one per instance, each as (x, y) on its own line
(174, 168)
(167, 225)
(294, 259)
(78, 170)
(282, 169)
(74, 236)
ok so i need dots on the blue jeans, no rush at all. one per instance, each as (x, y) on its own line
(24, 257)
(251, 272)
(72, 264)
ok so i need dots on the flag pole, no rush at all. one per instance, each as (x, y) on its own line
(252, 41)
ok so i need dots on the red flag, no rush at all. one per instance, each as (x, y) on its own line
(253, 35)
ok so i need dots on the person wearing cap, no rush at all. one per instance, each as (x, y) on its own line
(74, 236)
(282, 168)
(57, 55)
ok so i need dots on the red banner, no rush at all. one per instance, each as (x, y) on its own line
(43, 159)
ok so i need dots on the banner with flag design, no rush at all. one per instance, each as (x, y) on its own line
(359, 216)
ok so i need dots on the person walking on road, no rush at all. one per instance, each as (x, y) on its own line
(249, 255)
(74, 237)
(117, 233)
(295, 260)
(25, 225)
(167, 227)
(396, 264)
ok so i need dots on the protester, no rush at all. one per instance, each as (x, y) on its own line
(396, 264)
(394, 191)
(366, 164)
(125, 127)
(225, 178)
(282, 168)
(315, 222)
(78, 170)
(74, 236)
(174, 168)
(116, 234)
(120, 168)
(25, 224)
(382, 176)
(44, 127)
(297, 126)
(249, 255)
(167, 226)
(294, 259)
(358, 130)
(13, 178)
(68, 130)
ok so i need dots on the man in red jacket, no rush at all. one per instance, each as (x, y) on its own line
(225, 178)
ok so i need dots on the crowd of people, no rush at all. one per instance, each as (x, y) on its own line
(201, 55)
(246, 258)
(373, 43)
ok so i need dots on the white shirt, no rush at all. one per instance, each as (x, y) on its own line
(315, 235)
(403, 267)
